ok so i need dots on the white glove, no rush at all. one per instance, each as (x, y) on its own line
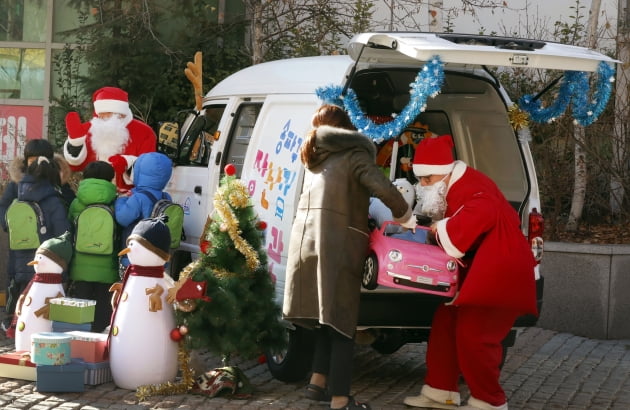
(410, 223)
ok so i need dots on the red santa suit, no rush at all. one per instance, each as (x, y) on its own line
(483, 229)
(81, 147)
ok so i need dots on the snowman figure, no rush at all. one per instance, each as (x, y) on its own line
(51, 259)
(141, 351)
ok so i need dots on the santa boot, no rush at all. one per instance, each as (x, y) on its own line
(433, 398)
(476, 404)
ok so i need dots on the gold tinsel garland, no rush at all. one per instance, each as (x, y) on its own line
(236, 192)
(518, 118)
(183, 386)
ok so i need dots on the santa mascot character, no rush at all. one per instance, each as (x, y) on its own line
(112, 135)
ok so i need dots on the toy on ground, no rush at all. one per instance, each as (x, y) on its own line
(33, 306)
(141, 350)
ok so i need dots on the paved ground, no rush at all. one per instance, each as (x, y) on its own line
(544, 370)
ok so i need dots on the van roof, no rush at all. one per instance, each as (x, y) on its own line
(473, 50)
(292, 76)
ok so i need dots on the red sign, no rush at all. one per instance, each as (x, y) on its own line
(18, 123)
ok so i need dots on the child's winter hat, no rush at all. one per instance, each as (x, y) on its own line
(154, 235)
(58, 249)
(434, 156)
(99, 170)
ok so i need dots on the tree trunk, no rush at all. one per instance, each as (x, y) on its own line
(622, 111)
(580, 169)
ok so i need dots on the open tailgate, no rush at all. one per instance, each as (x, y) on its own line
(467, 49)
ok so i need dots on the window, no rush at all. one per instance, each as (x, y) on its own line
(242, 131)
(22, 73)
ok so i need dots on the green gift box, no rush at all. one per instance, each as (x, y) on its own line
(72, 310)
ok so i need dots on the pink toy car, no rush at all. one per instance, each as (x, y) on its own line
(406, 261)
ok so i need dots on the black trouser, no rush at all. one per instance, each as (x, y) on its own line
(100, 293)
(333, 357)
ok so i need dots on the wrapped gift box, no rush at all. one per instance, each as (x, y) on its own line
(17, 365)
(97, 373)
(88, 346)
(50, 348)
(72, 310)
(63, 378)
(70, 327)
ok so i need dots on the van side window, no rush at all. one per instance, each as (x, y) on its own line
(196, 144)
(241, 133)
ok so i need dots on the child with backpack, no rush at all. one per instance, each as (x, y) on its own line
(96, 244)
(31, 211)
(151, 173)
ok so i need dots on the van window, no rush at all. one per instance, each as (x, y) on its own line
(196, 143)
(245, 120)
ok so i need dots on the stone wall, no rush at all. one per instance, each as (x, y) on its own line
(587, 290)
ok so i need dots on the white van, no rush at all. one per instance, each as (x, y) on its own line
(257, 118)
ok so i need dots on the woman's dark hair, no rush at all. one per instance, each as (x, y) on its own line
(327, 114)
(44, 169)
(37, 148)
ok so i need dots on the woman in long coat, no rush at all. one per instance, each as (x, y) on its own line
(329, 243)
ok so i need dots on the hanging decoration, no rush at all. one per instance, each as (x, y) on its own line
(428, 83)
(575, 86)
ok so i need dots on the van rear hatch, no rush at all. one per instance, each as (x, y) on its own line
(467, 49)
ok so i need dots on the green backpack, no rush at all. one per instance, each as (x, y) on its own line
(96, 231)
(175, 214)
(25, 223)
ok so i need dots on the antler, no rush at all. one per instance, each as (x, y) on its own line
(193, 72)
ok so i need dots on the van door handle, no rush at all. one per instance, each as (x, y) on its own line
(217, 158)
(197, 190)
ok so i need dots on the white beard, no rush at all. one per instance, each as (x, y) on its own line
(432, 200)
(108, 137)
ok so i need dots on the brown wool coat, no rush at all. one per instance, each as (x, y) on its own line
(329, 238)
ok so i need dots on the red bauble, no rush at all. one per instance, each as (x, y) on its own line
(230, 169)
(176, 335)
(262, 359)
(261, 225)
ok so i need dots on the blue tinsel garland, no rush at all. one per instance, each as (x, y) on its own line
(427, 84)
(575, 86)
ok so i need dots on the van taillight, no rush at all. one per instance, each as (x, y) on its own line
(535, 233)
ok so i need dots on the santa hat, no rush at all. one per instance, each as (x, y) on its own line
(111, 99)
(58, 249)
(154, 235)
(434, 156)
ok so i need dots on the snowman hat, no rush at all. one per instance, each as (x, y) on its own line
(58, 249)
(154, 235)
(434, 156)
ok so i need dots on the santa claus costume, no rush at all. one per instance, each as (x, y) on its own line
(117, 138)
(480, 227)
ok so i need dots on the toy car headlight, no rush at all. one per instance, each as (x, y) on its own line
(451, 265)
(395, 255)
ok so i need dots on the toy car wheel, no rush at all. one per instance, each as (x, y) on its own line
(370, 272)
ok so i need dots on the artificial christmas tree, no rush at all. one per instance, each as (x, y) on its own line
(225, 300)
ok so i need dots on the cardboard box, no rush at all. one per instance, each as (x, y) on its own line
(17, 365)
(63, 378)
(70, 327)
(88, 346)
(50, 348)
(72, 310)
(97, 373)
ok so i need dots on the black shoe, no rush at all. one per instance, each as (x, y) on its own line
(353, 405)
(314, 392)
